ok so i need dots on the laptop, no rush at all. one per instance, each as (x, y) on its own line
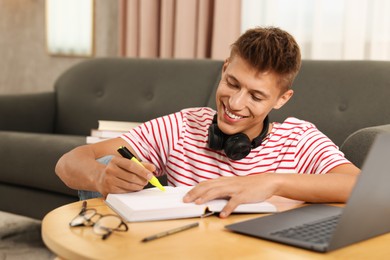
(322, 228)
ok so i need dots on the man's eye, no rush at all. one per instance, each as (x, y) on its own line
(256, 98)
(232, 85)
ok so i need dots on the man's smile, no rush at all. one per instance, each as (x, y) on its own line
(233, 116)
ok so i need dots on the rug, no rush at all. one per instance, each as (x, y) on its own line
(20, 238)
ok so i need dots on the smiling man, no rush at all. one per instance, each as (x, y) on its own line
(233, 152)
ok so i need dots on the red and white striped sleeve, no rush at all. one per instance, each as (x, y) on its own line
(316, 153)
(153, 140)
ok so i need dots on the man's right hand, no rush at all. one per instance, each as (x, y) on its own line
(122, 175)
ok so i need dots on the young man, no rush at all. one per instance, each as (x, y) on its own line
(234, 153)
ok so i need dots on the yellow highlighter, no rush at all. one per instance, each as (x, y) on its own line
(127, 154)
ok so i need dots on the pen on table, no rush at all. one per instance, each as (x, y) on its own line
(170, 232)
(127, 154)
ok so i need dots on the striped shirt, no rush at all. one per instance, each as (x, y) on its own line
(177, 145)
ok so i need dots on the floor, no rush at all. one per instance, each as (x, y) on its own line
(20, 238)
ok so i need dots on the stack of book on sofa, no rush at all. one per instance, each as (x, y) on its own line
(109, 129)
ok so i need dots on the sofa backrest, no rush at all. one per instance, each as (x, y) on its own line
(340, 97)
(127, 89)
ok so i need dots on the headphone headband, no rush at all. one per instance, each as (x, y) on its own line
(259, 139)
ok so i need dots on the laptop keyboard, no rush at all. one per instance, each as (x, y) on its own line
(317, 232)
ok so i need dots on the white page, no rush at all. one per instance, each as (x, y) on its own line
(172, 197)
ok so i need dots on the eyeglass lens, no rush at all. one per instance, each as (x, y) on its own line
(86, 217)
(107, 224)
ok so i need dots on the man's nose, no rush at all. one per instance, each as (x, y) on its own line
(237, 100)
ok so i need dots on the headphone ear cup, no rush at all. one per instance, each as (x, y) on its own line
(216, 137)
(237, 146)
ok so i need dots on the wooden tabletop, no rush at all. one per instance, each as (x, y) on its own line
(208, 241)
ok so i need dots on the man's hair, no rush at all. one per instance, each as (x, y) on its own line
(270, 49)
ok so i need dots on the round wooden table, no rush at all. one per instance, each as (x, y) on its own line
(208, 241)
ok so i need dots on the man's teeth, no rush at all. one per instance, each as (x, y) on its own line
(233, 115)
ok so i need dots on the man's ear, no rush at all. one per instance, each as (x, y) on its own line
(225, 65)
(284, 98)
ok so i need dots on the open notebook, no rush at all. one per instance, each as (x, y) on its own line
(153, 204)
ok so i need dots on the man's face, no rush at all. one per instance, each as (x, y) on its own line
(245, 97)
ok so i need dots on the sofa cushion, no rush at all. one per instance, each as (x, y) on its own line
(32, 202)
(134, 90)
(340, 97)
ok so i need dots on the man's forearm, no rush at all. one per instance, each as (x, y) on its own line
(78, 169)
(331, 187)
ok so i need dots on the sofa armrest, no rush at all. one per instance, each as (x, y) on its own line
(29, 159)
(27, 112)
(28, 183)
(357, 145)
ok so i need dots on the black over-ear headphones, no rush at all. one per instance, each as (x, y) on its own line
(235, 146)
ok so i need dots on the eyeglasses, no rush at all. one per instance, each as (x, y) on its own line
(103, 225)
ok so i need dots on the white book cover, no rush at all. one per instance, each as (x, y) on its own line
(116, 125)
(106, 133)
(109, 129)
(94, 139)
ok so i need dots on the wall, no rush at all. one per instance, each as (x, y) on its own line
(25, 65)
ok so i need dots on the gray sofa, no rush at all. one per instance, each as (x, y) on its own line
(347, 100)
